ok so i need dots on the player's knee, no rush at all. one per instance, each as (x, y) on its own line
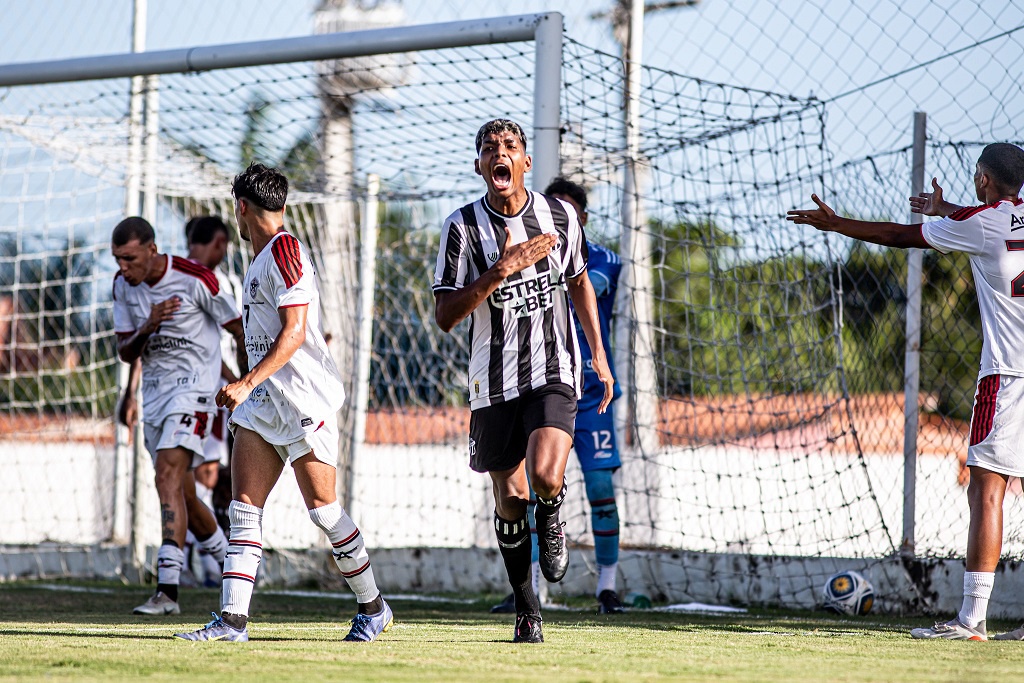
(326, 516)
(985, 491)
(547, 482)
(168, 478)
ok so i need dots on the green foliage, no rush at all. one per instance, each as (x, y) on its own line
(732, 327)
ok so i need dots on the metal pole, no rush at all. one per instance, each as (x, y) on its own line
(367, 282)
(547, 90)
(634, 350)
(283, 51)
(912, 357)
(124, 490)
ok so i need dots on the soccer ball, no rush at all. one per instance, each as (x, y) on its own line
(848, 593)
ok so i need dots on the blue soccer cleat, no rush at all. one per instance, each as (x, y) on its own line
(217, 630)
(366, 627)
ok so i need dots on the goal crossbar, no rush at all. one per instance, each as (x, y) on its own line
(545, 29)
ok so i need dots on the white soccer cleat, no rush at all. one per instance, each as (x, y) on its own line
(158, 605)
(1015, 634)
(951, 630)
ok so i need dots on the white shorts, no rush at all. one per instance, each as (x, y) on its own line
(997, 426)
(215, 448)
(322, 441)
(179, 431)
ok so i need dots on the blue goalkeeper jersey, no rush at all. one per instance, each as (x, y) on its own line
(604, 267)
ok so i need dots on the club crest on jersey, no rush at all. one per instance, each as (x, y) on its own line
(253, 286)
(492, 256)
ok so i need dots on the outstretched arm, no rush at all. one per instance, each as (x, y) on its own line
(884, 233)
(585, 303)
(452, 306)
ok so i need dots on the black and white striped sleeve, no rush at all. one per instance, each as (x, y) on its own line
(452, 256)
(578, 253)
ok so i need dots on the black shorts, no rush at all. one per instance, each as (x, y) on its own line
(498, 434)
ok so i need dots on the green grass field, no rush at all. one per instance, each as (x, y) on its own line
(84, 631)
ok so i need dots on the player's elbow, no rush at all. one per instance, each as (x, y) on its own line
(442, 319)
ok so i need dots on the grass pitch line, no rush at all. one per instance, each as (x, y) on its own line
(348, 596)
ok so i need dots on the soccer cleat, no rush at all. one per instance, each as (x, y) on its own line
(528, 629)
(158, 605)
(554, 556)
(217, 630)
(366, 627)
(951, 630)
(1015, 634)
(506, 606)
(608, 603)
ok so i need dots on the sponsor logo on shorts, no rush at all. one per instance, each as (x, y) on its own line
(202, 399)
(307, 422)
(472, 447)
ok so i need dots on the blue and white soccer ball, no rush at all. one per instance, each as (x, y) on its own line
(848, 593)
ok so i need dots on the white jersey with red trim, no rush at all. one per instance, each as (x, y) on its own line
(176, 360)
(307, 390)
(993, 237)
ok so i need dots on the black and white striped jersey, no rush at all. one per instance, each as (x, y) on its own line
(523, 337)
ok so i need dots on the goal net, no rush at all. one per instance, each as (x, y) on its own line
(744, 467)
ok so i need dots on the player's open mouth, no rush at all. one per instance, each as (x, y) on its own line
(501, 176)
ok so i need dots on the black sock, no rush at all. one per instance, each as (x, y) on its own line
(169, 589)
(234, 620)
(548, 507)
(514, 544)
(375, 606)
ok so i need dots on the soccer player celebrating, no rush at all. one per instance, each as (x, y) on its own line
(508, 260)
(594, 434)
(986, 234)
(207, 238)
(164, 307)
(284, 409)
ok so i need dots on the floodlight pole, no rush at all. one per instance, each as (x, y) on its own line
(634, 348)
(912, 354)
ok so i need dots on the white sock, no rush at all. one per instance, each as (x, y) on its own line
(606, 577)
(169, 561)
(216, 545)
(977, 591)
(242, 561)
(536, 577)
(348, 548)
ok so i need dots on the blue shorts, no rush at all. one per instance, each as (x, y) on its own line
(594, 439)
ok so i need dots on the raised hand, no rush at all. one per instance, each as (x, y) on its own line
(822, 218)
(931, 203)
(516, 257)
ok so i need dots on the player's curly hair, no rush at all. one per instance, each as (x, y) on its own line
(1005, 163)
(265, 187)
(132, 228)
(564, 186)
(500, 126)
